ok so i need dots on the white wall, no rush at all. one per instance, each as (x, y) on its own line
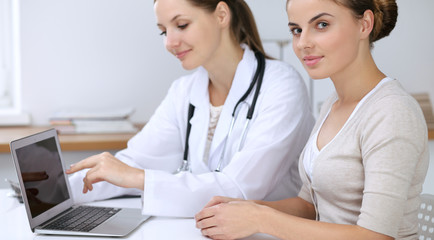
(108, 54)
(95, 54)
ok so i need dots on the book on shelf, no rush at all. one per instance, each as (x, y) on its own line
(65, 116)
(93, 122)
(96, 127)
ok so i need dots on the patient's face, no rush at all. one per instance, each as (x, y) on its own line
(326, 36)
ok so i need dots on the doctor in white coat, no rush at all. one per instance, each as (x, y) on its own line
(220, 39)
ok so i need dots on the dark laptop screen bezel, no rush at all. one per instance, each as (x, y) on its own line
(59, 208)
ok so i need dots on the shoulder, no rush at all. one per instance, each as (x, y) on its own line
(282, 70)
(391, 111)
(392, 99)
(283, 76)
(283, 88)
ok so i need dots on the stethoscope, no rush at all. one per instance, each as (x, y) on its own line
(257, 79)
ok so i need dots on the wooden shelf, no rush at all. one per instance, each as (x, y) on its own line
(80, 142)
(70, 142)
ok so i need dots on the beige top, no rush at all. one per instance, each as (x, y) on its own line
(371, 173)
(214, 115)
(311, 150)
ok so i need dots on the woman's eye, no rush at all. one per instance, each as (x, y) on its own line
(296, 31)
(322, 25)
(163, 33)
(183, 26)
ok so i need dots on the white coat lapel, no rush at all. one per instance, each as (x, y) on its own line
(240, 84)
(199, 97)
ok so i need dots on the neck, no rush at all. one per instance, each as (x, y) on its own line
(357, 80)
(221, 73)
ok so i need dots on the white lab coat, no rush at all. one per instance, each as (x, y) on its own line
(266, 167)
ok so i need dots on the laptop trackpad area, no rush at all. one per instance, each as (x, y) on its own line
(121, 223)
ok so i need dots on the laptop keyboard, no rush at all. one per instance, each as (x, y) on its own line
(82, 219)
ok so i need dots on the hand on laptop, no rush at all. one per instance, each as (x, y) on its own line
(105, 167)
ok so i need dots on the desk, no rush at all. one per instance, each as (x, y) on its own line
(68, 142)
(14, 224)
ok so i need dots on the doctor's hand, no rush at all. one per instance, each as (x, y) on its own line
(230, 219)
(105, 167)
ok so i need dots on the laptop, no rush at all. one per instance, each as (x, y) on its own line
(47, 195)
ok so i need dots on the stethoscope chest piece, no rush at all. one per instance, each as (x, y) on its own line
(185, 167)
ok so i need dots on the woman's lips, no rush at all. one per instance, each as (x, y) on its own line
(182, 54)
(312, 60)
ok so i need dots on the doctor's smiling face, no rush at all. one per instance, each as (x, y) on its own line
(190, 33)
(326, 36)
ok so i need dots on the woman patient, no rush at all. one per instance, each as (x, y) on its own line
(366, 160)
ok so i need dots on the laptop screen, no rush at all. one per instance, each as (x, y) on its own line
(42, 174)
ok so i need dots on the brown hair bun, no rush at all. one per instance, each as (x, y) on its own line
(386, 15)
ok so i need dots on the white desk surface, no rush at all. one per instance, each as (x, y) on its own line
(14, 224)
